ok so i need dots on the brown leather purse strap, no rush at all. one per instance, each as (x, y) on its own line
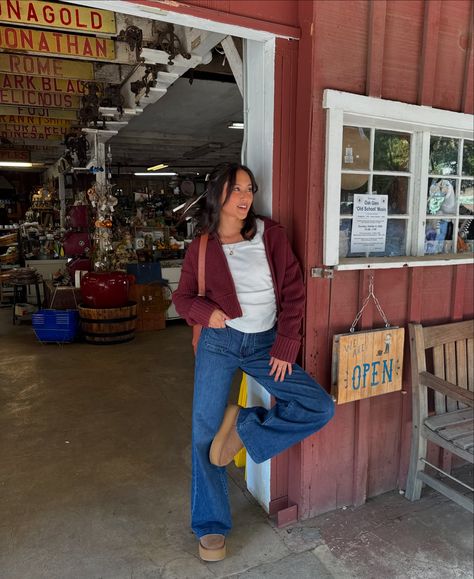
(202, 265)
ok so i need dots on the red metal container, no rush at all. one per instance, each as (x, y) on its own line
(106, 290)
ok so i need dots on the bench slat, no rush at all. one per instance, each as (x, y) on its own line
(470, 363)
(450, 354)
(443, 420)
(438, 366)
(457, 430)
(466, 442)
(435, 335)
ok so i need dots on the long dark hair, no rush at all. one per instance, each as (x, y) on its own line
(209, 213)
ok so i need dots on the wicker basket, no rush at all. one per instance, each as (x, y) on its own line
(9, 258)
(9, 239)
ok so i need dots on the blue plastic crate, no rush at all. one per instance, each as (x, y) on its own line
(55, 325)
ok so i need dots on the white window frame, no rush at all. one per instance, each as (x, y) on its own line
(344, 109)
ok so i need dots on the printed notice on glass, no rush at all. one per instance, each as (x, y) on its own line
(369, 223)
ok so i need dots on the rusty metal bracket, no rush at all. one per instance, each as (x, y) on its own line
(324, 273)
(170, 43)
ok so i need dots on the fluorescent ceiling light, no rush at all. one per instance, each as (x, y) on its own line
(155, 174)
(158, 167)
(236, 126)
(15, 164)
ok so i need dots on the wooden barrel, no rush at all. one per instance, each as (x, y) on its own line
(107, 326)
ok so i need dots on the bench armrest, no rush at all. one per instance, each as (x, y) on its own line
(447, 388)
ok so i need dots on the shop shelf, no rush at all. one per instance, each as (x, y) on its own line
(58, 326)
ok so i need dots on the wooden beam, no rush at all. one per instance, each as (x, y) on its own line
(377, 20)
(429, 53)
(468, 85)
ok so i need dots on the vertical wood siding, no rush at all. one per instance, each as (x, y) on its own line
(425, 59)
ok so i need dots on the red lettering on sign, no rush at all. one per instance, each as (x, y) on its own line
(101, 47)
(48, 14)
(26, 39)
(96, 20)
(57, 36)
(72, 44)
(13, 8)
(6, 82)
(14, 63)
(87, 48)
(43, 43)
(65, 16)
(79, 24)
(43, 66)
(31, 13)
(46, 83)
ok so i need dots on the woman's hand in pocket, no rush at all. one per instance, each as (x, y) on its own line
(217, 319)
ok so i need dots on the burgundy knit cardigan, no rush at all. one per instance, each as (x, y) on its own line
(221, 293)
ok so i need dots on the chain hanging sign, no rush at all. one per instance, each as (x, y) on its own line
(367, 364)
(41, 66)
(65, 16)
(56, 43)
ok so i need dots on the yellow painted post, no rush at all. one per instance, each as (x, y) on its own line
(241, 456)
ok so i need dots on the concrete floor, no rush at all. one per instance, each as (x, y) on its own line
(95, 470)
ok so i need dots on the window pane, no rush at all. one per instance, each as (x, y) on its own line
(468, 158)
(441, 197)
(355, 148)
(466, 198)
(466, 235)
(395, 241)
(391, 151)
(438, 236)
(443, 156)
(397, 190)
(349, 187)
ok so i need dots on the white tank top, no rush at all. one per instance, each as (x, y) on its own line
(253, 282)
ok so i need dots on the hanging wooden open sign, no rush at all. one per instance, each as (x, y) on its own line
(366, 364)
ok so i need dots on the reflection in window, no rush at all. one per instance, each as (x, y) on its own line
(468, 158)
(465, 241)
(466, 198)
(355, 148)
(391, 151)
(438, 236)
(395, 244)
(397, 190)
(441, 197)
(348, 191)
(443, 156)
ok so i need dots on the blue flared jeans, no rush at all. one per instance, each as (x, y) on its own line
(302, 407)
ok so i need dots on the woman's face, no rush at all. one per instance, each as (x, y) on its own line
(240, 200)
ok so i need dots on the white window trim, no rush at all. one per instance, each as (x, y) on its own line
(351, 109)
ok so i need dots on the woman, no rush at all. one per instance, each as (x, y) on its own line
(251, 316)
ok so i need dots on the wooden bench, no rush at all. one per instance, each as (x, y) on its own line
(447, 350)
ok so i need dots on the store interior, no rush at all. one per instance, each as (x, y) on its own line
(107, 185)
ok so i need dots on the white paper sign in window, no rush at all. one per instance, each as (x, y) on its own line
(369, 223)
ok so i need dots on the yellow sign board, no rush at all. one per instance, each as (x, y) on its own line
(38, 121)
(15, 155)
(42, 83)
(42, 112)
(49, 15)
(56, 43)
(16, 135)
(32, 98)
(34, 130)
(41, 66)
(367, 364)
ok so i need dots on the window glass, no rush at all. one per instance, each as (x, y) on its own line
(443, 156)
(395, 240)
(348, 191)
(397, 190)
(465, 241)
(468, 158)
(355, 148)
(441, 198)
(438, 236)
(391, 151)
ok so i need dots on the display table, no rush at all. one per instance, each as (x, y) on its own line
(62, 298)
(46, 267)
